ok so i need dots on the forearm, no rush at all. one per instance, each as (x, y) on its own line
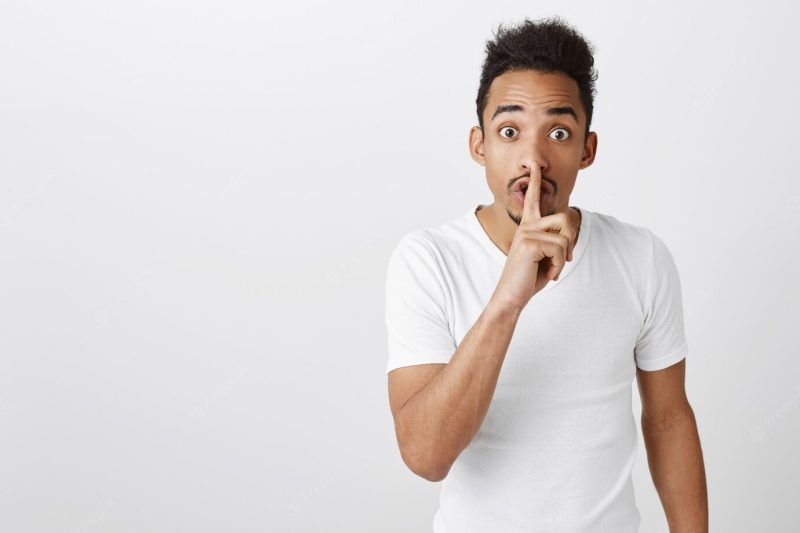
(439, 420)
(675, 459)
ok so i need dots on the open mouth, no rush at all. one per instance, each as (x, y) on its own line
(521, 187)
(543, 195)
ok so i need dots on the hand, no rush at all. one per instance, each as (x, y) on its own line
(539, 250)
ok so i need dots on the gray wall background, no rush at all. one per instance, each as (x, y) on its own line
(198, 200)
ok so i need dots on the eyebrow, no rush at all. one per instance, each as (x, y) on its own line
(551, 111)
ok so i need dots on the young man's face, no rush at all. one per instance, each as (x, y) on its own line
(519, 132)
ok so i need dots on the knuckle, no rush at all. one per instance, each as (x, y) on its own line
(534, 224)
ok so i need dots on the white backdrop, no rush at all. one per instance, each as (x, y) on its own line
(198, 201)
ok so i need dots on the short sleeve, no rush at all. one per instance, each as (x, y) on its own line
(662, 341)
(416, 317)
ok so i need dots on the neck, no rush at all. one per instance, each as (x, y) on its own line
(501, 229)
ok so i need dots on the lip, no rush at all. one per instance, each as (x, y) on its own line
(543, 196)
(517, 187)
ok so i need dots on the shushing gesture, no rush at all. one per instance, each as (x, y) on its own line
(539, 250)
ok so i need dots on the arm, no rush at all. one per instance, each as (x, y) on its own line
(439, 420)
(673, 448)
(436, 422)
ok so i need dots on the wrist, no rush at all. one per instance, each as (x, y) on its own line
(500, 309)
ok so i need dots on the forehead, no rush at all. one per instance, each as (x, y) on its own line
(533, 90)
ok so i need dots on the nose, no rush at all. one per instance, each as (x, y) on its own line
(529, 163)
(530, 155)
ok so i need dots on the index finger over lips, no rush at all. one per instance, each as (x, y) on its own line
(530, 207)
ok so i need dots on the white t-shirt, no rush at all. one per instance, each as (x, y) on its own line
(556, 449)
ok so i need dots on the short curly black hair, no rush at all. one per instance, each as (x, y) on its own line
(546, 45)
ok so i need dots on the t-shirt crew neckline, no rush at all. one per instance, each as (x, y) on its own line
(499, 257)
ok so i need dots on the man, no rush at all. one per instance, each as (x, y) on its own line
(515, 330)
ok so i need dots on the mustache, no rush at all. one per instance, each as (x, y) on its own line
(528, 175)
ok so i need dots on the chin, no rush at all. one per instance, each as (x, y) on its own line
(517, 217)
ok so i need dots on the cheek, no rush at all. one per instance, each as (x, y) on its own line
(496, 148)
(498, 156)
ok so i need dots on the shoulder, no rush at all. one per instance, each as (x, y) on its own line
(637, 251)
(416, 246)
(434, 243)
(632, 240)
(639, 241)
(613, 227)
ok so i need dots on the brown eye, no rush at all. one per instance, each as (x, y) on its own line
(508, 132)
(564, 136)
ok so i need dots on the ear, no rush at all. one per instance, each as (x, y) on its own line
(589, 150)
(476, 145)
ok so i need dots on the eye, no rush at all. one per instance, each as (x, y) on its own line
(507, 132)
(562, 137)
